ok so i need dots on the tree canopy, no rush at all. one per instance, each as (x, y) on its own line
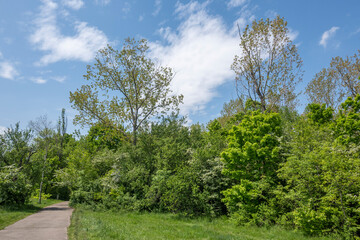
(268, 67)
(126, 88)
(332, 85)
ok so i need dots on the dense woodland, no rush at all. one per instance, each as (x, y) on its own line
(260, 163)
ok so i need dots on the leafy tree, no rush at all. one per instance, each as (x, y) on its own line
(340, 80)
(347, 127)
(253, 150)
(269, 67)
(14, 186)
(133, 87)
(104, 136)
(320, 113)
(252, 159)
(321, 177)
(229, 109)
(45, 133)
(15, 147)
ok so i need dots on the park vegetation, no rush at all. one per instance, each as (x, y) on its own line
(261, 163)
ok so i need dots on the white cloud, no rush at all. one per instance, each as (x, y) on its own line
(2, 130)
(327, 35)
(48, 37)
(141, 18)
(200, 51)
(38, 80)
(102, 2)
(157, 7)
(236, 3)
(246, 17)
(59, 79)
(192, 7)
(7, 70)
(74, 4)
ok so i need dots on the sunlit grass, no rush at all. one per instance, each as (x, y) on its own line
(87, 224)
(12, 214)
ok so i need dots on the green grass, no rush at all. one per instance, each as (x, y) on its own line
(87, 224)
(12, 214)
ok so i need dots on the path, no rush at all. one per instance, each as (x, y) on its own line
(50, 223)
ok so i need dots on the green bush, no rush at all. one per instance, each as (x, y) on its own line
(14, 187)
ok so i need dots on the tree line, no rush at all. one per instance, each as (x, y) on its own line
(261, 162)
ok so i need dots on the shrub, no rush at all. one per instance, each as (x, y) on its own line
(14, 187)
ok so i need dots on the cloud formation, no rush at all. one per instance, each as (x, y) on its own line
(74, 4)
(48, 38)
(327, 35)
(7, 70)
(200, 51)
(102, 2)
(38, 80)
(236, 3)
(157, 7)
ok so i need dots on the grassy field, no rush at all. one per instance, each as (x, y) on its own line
(87, 224)
(12, 214)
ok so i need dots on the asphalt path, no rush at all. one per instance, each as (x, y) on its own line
(50, 223)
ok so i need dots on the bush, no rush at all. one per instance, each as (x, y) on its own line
(14, 187)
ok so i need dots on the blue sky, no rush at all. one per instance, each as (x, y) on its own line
(46, 45)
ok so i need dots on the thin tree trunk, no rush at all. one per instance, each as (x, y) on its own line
(134, 136)
(42, 174)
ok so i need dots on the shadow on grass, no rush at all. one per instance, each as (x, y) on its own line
(28, 208)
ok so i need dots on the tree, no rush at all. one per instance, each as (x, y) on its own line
(45, 132)
(252, 160)
(61, 133)
(269, 67)
(15, 147)
(133, 89)
(337, 82)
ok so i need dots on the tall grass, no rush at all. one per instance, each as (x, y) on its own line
(88, 224)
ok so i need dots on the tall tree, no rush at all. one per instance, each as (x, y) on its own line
(61, 133)
(269, 66)
(125, 88)
(337, 82)
(45, 133)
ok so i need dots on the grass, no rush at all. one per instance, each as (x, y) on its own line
(12, 214)
(87, 224)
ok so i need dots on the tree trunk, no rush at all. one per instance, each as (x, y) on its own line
(42, 174)
(134, 136)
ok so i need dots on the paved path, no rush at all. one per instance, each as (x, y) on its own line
(50, 223)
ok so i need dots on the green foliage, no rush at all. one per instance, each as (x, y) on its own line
(319, 114)
(14, 186)
(134, 88)
(347, 126)
(15, 147)
(252, 159)
(104, 136)
(322, 178)
(254, 147)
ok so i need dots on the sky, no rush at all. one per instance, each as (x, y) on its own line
(45, 46)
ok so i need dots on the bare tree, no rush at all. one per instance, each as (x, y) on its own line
(269, 66)
(337, 82)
